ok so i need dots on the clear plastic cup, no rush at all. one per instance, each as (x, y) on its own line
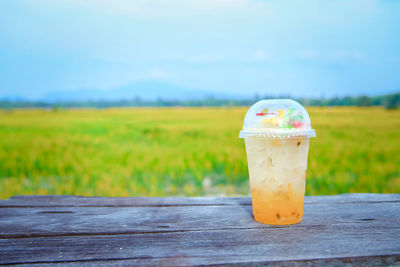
(277, 136)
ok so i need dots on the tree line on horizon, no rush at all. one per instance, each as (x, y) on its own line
(390, 101)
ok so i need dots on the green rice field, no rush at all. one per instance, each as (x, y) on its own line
(184, 151)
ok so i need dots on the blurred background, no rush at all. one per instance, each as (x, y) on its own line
(146, 98)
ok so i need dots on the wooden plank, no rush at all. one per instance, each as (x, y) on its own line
(236, 261)
(336, 229)
(60, 221)
(205, 247)
(72, 201)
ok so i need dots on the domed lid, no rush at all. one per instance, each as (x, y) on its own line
(277, 118)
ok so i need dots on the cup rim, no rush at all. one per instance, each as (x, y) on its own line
(277, 133)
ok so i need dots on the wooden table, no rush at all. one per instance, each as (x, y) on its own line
(360, 229)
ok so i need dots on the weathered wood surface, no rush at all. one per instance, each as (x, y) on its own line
(362, 229)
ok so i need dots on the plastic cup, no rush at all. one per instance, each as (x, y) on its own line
(277, 136)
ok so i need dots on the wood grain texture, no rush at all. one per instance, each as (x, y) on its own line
(361, 229)
(79, 201)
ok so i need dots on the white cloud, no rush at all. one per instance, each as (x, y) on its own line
(157, 73)
(260, 55)
(223, 57)
(331, 56)
(159, 9)
(342, 55)
(308, 54)
(208, 58)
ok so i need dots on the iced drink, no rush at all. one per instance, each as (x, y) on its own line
(277, 137)
(277, 170)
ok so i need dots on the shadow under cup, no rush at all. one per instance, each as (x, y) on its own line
(277, 170)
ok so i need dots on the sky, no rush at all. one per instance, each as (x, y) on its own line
(237, 47)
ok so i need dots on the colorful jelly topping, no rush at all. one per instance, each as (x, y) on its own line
(289, 119)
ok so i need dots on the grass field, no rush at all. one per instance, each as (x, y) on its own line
(184, 151)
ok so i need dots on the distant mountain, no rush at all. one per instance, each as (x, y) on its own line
(145, 90)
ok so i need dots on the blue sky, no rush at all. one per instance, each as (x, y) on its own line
(243, 47)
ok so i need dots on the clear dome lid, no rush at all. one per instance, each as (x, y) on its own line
(277, 118)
